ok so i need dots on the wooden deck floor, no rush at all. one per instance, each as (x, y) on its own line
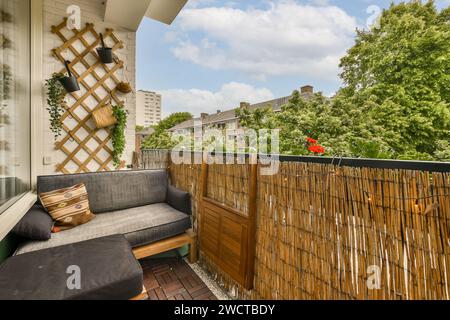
(173, 279)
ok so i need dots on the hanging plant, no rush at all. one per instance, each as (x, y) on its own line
(124, 86)
(118, 133)
(69, 83)
(5, 81)
(55, 103)
(104, 117)
(105, 53)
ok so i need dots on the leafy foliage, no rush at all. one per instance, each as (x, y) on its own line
(398, 75)
(395, 103)
(118, 133)
(161, 138)
(55, 103)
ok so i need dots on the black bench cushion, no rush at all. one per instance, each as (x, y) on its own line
(109, 271)
(112, 191)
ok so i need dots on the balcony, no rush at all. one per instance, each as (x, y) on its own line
(208, 228)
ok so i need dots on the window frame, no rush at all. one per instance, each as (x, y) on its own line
(20, 206)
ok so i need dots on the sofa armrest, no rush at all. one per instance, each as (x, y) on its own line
(179, 200)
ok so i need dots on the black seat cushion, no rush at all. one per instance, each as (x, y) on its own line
(35, 225)
(109, 271)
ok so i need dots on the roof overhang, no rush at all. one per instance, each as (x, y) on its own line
(165, 10)
(129, 13)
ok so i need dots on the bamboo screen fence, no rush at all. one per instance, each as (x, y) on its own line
(330, 232)
(156, 159)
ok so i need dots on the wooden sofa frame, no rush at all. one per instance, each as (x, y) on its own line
(188, 238)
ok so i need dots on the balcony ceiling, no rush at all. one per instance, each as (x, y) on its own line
(129, 14)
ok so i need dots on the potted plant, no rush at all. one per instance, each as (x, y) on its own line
(69, 83)
(55, 102)
(104, 117)
(118, 133)
(105, 53)
(124, 87)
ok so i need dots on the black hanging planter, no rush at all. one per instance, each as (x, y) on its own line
(105, 54)
(69, 83)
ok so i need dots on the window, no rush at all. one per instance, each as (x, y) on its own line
(15, 150)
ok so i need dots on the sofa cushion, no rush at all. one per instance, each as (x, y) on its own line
(111, 191)
(141, 225)
(69, 207)
(35, 225)
(179, 200)
(107, 265)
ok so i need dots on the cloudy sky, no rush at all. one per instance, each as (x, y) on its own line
(219, 52)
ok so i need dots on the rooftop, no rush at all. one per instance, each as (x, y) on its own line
(230, 115)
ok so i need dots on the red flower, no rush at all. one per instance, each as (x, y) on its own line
(317, 149)
(311, 140)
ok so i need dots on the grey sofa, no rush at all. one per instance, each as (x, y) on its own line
(141, 205)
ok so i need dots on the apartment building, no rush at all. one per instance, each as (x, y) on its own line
(229, 120)
(148, 108)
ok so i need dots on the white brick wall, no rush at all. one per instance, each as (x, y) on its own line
(91, 11)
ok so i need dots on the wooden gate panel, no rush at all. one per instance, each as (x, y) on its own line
(227, 235)
(210, 227)
(233, 240)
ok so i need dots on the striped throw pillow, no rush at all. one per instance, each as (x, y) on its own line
(68, 207)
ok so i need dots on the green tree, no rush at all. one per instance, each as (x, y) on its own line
(161, 138)
(398, 74)
(395, 102)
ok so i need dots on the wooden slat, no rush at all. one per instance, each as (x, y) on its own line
(142, 296)
(167, 245)
(80, 101)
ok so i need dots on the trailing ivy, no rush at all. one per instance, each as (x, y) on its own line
(118, 133)
(55, 103)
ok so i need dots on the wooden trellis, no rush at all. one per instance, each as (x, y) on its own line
(87, 149)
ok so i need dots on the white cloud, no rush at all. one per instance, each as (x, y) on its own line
(320, 2)
(197, 101)
(198, 3)
(285, 39)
